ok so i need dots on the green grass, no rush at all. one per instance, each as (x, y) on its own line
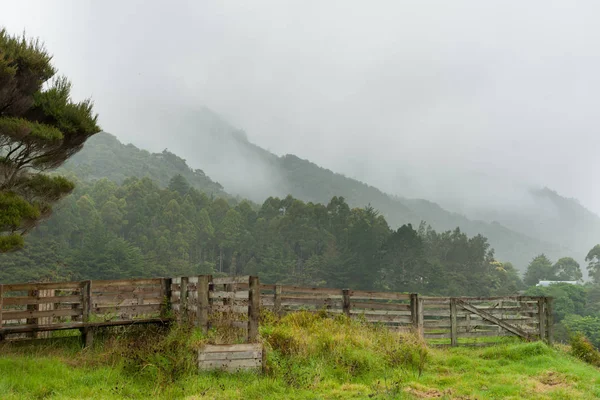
(309, 357)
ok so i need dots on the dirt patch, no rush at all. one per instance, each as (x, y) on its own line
(550, 380)
(427, 393)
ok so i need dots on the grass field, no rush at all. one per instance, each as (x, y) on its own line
(309, 357)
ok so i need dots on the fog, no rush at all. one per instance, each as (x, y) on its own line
(467, 101)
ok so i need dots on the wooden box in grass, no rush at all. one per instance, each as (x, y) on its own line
(231, 357)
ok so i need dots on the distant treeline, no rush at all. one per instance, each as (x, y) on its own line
(136, 229)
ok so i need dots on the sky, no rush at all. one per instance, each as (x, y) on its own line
(467, 100)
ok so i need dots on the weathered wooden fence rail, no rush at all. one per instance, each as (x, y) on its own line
(33, 309)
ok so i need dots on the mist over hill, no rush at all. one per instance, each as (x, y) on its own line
(216, 151)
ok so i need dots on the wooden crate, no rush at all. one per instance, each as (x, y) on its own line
(231, 357)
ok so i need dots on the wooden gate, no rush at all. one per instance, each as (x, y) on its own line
(479, 321)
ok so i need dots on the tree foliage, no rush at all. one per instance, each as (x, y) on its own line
(138, 229)
(593, 259)
(540, 268)
(40, 128)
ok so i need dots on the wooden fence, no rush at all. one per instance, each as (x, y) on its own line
(34, 309)
(394, 310)
(452, 321)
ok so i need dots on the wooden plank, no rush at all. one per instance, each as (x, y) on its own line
(381, 312)
(243, 294)
(369, 295)
(485, 334)
(541, 319)
(24, 300)
(549, 321)
(230, 355)
(511, 328)
(238, 324)
(299, 289)
(420, 321)
(254, 308)
(436, 313)
(125, 289)
(414, 311)
(503, 298)
(203, 303)
(276, 300)
(166, 294)
(437, 335)
(183, 302)
(86, 300)
(453, 331)
(230, 280)
(441, 323)
(117, 301)
(300, 296)
(133, 309)
(230, 365)
(210, 348)
(346, 301)
(78, 325)
(19, 287)
(127, 282)
(384, 318)
(33, 314)
(379, 306)
(230, 309)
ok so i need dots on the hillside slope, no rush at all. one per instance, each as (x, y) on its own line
(104, 156)
(249, 171)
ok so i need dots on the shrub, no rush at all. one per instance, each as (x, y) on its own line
(583, 349)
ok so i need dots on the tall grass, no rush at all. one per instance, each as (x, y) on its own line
(305, 349)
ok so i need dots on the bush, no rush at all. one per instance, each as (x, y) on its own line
(588, 326)
(583, 349)
(161, 355)
(307, 347)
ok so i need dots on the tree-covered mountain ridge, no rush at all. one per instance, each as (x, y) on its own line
(104, 156)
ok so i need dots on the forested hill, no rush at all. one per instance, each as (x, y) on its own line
(105, 156)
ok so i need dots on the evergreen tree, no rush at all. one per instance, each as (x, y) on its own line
(40, 128)
(540, 268)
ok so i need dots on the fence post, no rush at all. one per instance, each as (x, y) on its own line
(203, 303)
(183, 302)
(33, 308)
(346, 301)
(277, 301)
(1, 305)
(414, 310)
(86, 305)
(253, 308)
(549, 321)
(166, 295)
(421, 318)
(453, 330)
(75, 306)
(542, 318)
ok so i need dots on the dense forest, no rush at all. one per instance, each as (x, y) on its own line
(106, 230)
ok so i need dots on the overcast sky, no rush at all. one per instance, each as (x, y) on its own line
(443, 92)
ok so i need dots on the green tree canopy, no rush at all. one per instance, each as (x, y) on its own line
(540, 268)
(40, 128)
(593, 260)
(567, 269)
